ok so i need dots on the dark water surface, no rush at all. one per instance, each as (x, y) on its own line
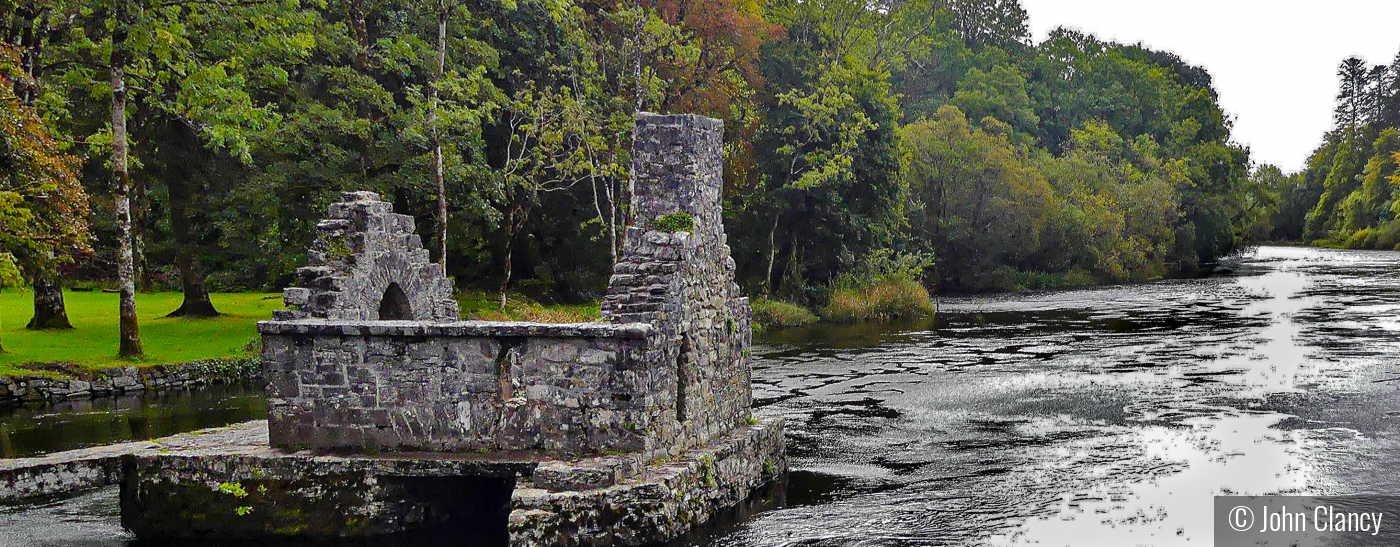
(1099, 417)
(35, 430)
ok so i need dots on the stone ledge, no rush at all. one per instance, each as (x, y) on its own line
(76, 470)
(667, 501)
(19, 390)
(482, 329)
(228, 483)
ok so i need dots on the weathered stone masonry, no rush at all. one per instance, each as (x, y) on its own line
(368, 264)
(667, 370)
(388, 415)
(683, 283)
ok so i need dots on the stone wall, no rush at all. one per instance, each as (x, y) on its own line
(668, 369)
(227, 485)
(18, 390)
(465, 386)
(683, 282)
(672, 499)
(368, 264)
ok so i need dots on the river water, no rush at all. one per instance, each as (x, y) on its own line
(1101, 417)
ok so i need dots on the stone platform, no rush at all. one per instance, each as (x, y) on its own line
(242, 488)
(72, 471)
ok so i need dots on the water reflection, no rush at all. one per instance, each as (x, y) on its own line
(1107, 416)
(34, 430)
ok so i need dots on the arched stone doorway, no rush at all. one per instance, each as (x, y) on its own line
(394, 306)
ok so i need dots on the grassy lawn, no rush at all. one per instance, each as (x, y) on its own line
(93, 343)
(486, 306)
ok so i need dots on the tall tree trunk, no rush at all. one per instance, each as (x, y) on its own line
(515, 222)
(768, 287)
(130, 345)
(49, 311)
(196, 302)
(437, 137)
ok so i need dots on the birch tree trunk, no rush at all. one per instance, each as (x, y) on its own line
(130, 345)
(443, 10)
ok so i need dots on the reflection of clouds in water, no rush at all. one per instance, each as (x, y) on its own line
(1277, 360)
(1231, 454)
(1238, 454)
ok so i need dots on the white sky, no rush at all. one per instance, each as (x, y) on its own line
(1274, 61)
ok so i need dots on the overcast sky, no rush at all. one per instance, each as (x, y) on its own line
(1274, 61)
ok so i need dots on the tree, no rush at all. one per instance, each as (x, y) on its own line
(551, 137)
(1001, 94)
(28, 25)
(979, 206)
(1262, 202)
(1351, 97)
(992, 23)
(130, 331)
(43, 208)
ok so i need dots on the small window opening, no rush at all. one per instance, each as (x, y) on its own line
(394, 306)
(682, 377)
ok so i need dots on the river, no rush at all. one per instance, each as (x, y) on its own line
(1099, 417)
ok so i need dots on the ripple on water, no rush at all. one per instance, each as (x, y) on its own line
(1105, 416)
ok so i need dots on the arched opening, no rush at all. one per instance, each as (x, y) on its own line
(394, 306)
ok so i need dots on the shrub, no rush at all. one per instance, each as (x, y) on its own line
(1364, 238)
(777, 314)
(1389, 235)
(883, 263)
(674, 222)
(885, 299)
(1076, 277)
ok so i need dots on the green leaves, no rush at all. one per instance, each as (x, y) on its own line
(828, 127)
(43, 208)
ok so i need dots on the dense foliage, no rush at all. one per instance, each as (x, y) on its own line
(1347, 195)
(855, 132)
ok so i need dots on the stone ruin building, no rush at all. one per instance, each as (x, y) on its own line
(629, 430)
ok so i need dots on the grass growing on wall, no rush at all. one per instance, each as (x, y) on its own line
(93, 343)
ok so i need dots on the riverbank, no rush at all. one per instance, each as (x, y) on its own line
(53, 383)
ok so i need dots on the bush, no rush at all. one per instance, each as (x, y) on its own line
(885, 299)
(1364, 238)
(777, 314)
(1076, 277)
(674, 222)
(1389, 235)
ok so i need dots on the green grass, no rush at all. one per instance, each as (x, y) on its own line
(888, 299)
(93, 343)
(486, 306)
(776, 314)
